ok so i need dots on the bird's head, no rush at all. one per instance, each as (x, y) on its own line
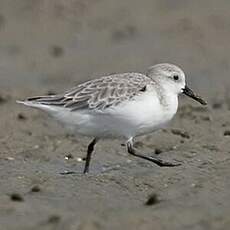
(173, 78)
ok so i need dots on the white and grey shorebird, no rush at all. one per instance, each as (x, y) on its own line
(122, 105)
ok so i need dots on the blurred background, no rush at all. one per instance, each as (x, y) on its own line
(54, 44)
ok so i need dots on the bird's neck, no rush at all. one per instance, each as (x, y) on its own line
(167, 97)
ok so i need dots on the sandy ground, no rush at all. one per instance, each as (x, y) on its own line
(46, 46)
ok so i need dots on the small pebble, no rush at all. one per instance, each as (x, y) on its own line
(28, 132)
(21, 116)
(2, 99)
(217, 105)
(54, 219)
(158, 151)
(79, 159)
(56, 51)
(16, 197)
(153, 199)
(227, 133)
(66, 172)
(68, 156)
(35, 188)
(10, 159)
(205, 118)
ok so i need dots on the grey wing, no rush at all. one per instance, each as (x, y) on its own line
(99, 94)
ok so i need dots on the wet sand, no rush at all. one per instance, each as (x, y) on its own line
(50, 49)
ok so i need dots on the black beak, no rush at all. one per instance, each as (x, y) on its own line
(187, 91)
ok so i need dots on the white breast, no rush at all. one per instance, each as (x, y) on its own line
(144, 114)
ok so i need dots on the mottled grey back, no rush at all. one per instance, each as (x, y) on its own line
(99, 94)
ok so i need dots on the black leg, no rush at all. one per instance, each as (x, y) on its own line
(155, 160)
(89, 154)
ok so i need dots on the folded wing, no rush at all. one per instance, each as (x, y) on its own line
(98, 94)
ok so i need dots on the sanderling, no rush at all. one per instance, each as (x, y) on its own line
(119, 105)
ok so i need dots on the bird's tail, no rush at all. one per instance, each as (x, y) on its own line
(36, 102)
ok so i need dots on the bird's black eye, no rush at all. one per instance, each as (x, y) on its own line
(176, 77)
